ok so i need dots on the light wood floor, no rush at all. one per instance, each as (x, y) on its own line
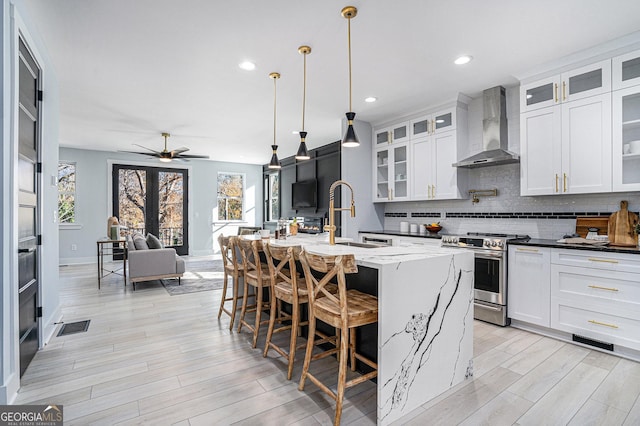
(151, 358)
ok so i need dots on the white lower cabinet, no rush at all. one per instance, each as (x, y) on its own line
(590, 294)
(596, 295)
(529, 281)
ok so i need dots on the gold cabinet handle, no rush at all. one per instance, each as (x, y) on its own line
(555, 91)
(564, 90)
(603, 324)
(527, 249)
(388, 193)
(556, 182)
(391, 192)
(602, 288)
(595, 259)
(428, 191)
(390, 136)
(564, 178)
(433, 191)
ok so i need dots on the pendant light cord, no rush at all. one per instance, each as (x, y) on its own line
(304, 87)
(274, 111)
(349, 42)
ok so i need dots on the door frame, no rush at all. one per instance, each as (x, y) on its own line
(152, 163)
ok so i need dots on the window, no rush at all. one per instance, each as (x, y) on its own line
(272, 195)
(66, 192)
(230, 196)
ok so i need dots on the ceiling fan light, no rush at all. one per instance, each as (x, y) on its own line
(302, 154)
(165, 159)
(350, 139)
(274, 163)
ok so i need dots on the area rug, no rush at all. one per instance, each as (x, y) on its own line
(200, 275)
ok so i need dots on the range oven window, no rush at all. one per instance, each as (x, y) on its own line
(487, 274)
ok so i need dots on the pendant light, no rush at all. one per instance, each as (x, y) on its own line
(274, 163)
(303, 154)
(350, 139)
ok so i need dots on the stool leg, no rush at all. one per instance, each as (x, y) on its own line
(308, 352)
(352, 347)
(245, 296)
(235, 282)
(295, 320)
(342, 373)
(256, 327)
(272, 321)
(224, 293)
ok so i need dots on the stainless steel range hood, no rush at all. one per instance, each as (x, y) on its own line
(494, 133)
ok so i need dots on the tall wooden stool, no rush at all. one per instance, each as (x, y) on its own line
(345, 311)
(232, 268)
(256, 275)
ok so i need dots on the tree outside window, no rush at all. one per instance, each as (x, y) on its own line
(230, 196)
(66, 192)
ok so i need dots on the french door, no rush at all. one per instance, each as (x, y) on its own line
(29, 220)
(153, 200)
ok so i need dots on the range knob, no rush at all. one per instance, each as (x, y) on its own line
(487, 243)
(494, 244)
(499, 243)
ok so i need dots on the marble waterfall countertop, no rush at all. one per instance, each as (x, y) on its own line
(425, 319)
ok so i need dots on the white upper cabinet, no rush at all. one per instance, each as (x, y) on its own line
(441, 121)
(626, 139)
(565, 133)
(398, 133)
(626, 70)
(392, 168)
(417, 165)
(590, 80)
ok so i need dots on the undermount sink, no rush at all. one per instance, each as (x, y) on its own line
(361, 245)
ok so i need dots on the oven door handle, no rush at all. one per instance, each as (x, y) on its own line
(489, 255)
(490, 308)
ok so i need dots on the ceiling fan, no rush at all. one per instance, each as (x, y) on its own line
(165, 155)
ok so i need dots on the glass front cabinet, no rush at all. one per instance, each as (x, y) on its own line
(626, 122)
(392, 171)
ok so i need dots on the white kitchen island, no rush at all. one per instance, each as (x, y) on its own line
(425, 320)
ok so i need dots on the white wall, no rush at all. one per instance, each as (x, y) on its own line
(94, 203)
(14, 18)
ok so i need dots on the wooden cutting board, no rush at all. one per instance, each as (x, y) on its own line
(583, 223)
(621, 227)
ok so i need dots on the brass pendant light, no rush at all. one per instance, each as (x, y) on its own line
(303, 154)
(350, 139)
(274, 163)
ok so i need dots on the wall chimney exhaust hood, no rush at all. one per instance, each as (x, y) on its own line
(494, 133)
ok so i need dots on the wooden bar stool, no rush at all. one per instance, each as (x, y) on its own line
(285, 287)
(345, 310)
(256, 275)
(232, 267)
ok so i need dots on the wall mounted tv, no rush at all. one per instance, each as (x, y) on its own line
(304, 194)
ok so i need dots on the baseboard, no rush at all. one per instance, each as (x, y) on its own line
(9, 390)
(77, 260)
(50, 327)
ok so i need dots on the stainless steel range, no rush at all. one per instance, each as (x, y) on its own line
(490, 279)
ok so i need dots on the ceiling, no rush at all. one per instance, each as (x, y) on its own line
(131, 69)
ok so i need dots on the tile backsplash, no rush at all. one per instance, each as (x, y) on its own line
(550, 216)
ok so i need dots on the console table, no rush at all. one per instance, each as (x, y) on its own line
(111, 247)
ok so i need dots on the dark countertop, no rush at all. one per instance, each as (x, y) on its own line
(555, 244)
(404, 234)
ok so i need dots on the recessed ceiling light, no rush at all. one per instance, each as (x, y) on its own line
(464, 59)
(247, 65)
(371, 99)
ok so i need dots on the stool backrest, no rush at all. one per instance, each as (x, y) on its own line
(230, 254)
(282, 264)
(332, 267)
(250, 256)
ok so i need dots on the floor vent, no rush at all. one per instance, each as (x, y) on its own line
(592, 342)
(73, 327)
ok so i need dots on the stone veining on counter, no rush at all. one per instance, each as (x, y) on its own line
(418, 338)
